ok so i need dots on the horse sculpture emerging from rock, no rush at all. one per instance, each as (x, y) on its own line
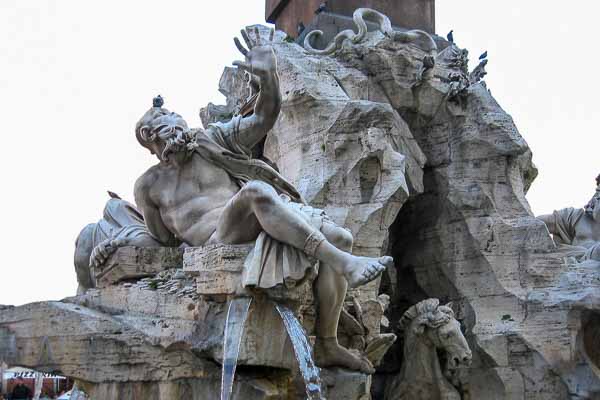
(429, 327)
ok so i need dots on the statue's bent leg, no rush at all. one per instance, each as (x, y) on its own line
(330, 290)
(257, 206)
(331, 287)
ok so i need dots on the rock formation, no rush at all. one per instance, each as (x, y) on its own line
(420, 162)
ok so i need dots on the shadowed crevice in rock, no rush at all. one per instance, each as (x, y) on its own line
(591, 338)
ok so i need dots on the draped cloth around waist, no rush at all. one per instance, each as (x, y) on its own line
(272, 263)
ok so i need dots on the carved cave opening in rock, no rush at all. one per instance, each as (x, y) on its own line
(401, 285)
(369, 171)
(417, 278)
(591, 338)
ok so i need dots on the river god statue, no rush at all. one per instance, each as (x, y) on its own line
(206, 189)
(578, 227)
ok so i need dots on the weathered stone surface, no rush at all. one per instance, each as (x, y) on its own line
(218, 268)
(343, 384)
(272, 386)
(128, 263)
(471, 237)
(90, 345)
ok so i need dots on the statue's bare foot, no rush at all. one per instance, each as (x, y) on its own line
(328, 353)
(361, 270)
(101, 252)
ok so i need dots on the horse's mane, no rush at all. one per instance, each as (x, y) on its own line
(427, 312)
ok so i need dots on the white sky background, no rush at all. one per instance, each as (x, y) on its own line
(76, 75)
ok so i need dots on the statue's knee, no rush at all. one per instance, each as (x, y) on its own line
(342, 239)
(261, 194)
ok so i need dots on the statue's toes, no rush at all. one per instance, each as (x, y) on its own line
(370, 272)
(386, 261)
(366, 366)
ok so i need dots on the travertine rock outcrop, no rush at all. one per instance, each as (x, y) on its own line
(465, 231)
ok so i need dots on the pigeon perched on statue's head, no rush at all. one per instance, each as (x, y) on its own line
(158, 101)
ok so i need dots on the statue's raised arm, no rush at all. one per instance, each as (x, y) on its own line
(261, 64)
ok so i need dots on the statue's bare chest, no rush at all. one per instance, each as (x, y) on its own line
(195, 181)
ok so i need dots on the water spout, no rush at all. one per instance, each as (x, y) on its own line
(3, 367)
(77, 394)
(302, 350)
(37, 385)
(237, 314)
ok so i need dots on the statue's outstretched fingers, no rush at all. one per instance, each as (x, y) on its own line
(247, 39)
(240, 47)
(257, 35)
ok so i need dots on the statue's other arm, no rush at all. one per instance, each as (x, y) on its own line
(151, 213)
(261, 64)
(266, 110)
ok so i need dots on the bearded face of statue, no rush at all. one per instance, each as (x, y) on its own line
(593, 208)
(165, 133)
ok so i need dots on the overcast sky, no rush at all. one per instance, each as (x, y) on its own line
(76, 75)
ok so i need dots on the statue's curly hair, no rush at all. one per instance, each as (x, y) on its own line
(143, 126)
(176, 140)
(427, 312)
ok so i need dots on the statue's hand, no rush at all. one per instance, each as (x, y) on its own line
(260, 58)
(102, 251)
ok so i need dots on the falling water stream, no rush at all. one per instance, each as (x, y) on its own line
(234, 329)
(77, 394)
(302, 349)
(37, 385)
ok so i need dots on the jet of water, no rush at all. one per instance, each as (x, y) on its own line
(37, 386)
(237, 313)
(303, 351)
(77, 394)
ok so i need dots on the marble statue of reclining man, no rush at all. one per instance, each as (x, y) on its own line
(578, 227)
(206, 189)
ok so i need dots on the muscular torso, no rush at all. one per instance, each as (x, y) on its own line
(190, 197)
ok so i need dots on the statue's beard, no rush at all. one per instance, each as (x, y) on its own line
(177, 142)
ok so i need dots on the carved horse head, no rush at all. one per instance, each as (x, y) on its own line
(436, 324)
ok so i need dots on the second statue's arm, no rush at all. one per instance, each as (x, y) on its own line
(261, 64)
(152, 216)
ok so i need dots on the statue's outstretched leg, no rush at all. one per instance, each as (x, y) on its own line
(257, 206)
(330, 292)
